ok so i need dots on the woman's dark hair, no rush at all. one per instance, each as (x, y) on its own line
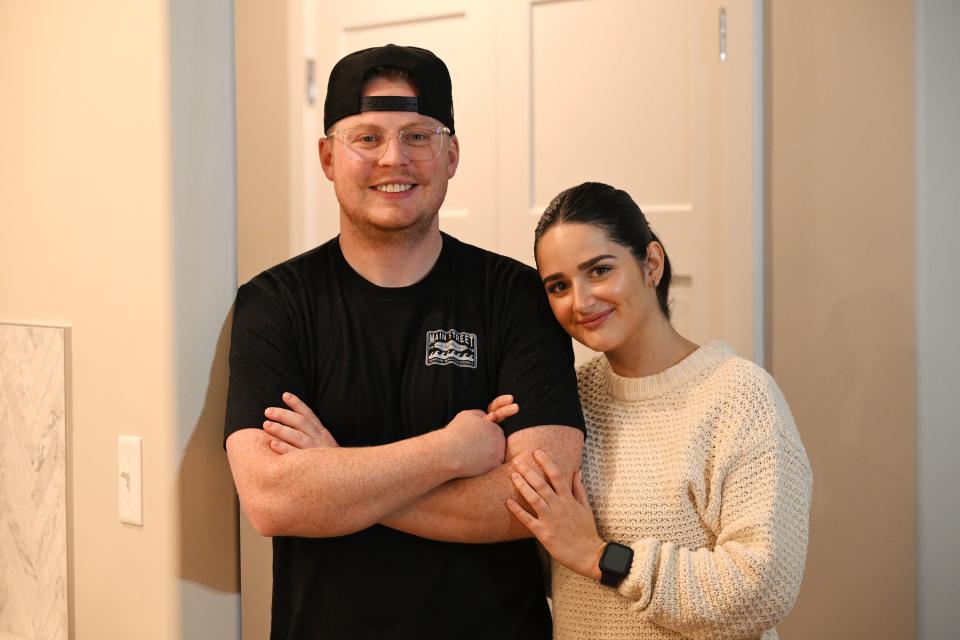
(613, 211)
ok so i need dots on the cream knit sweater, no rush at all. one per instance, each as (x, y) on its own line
(701, 470)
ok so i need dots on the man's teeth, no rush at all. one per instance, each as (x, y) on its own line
(393, 188)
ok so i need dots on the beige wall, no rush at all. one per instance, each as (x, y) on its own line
(264, 186)
(265, 205)
(94, 205)
(841, 301)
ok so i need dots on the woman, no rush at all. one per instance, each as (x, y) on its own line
(699, 484)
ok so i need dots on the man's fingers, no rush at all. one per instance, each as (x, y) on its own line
(504, 412)
(307, 424)
(558, 480)
(282, 447)
(499, 402)
(291, 436)
(287, 417)
(299, 406)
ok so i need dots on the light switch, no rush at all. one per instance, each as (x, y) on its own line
(130, 496)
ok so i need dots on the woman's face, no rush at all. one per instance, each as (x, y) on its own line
(596, 287)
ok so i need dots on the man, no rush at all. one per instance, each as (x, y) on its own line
(388, 514)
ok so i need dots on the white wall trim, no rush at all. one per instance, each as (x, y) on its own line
(937, 147)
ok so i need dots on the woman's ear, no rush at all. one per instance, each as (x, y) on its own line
(653, 270)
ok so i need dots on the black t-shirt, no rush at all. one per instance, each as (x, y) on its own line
(379, 365)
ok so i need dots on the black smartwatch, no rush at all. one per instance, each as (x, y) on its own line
(615, 563)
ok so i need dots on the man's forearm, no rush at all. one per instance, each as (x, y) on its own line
(474, 509)
(331, 491)
(465, 510)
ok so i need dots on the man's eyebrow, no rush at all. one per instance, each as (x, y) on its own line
(583, 266)
(422, 122)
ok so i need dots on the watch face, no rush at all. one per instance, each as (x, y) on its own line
(617, 558)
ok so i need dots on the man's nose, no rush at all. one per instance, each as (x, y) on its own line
(393, 152)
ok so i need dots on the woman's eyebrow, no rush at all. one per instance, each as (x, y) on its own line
(583, 266)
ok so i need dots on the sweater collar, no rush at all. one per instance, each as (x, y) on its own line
(703, 359)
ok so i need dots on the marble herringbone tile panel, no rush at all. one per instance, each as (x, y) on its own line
(33, 509)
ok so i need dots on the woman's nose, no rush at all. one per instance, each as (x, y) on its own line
(582, 297)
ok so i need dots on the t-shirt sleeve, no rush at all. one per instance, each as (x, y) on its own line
(537, 358)
(264, 360)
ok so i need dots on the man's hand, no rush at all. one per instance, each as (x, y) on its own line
(501, 408)
(474, 442)
(295, 428)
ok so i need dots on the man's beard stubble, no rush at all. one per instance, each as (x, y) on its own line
(408, 235)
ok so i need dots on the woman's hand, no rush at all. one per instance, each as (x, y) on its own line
(564, 522)
(295, 428)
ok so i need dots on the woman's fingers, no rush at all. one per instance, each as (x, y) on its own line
(524, 517)
(533, 476)
(579, 493)
(533, 498)
(558, 479)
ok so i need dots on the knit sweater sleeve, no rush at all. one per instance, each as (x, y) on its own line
(756, 500)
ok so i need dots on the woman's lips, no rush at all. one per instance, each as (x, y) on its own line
(597, 319)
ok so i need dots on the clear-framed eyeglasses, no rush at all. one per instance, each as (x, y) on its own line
(369, 143)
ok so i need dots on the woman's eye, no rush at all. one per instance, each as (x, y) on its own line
(601, 269)
(555, 287)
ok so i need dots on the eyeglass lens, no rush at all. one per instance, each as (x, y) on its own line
(416, 143)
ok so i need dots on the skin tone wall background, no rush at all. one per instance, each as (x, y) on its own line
(841, 302)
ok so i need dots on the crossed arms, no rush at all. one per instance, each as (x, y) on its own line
(450, 484)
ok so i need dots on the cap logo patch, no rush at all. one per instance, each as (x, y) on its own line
(389, 103)
(452, 347)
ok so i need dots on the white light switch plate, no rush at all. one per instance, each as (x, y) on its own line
(130, 496)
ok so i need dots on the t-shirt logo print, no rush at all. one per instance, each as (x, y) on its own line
(452, 347)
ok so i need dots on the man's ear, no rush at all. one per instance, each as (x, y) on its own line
(453, 156)
(325, 148)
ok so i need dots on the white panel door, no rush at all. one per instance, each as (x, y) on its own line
(634, 93)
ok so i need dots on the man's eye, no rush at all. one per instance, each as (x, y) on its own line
(417, 137)
(367, 138)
